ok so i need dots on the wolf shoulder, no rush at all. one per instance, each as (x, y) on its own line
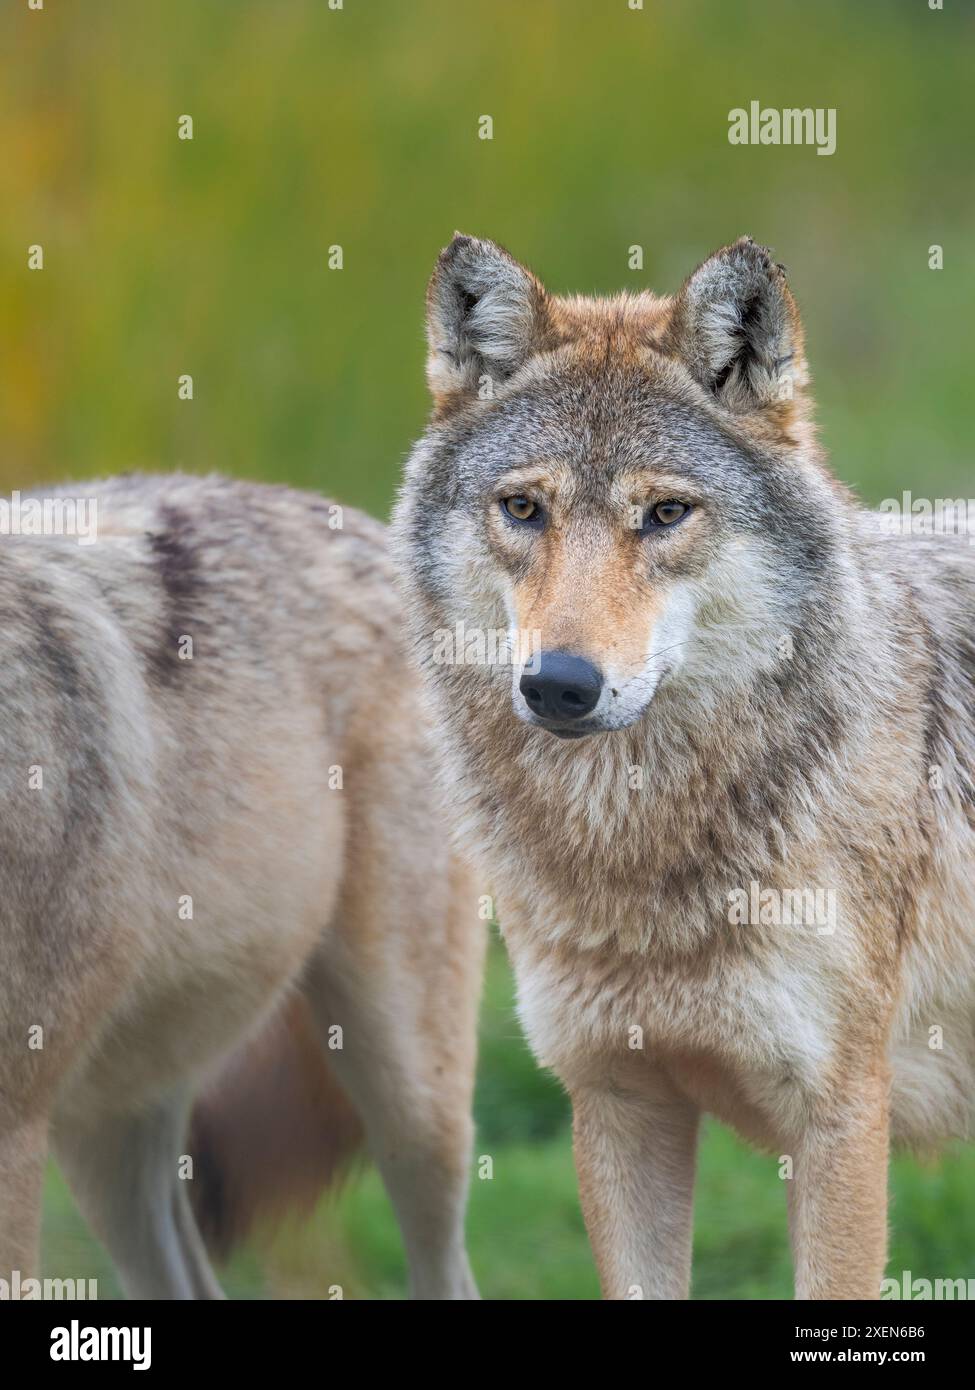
(200, 573)
(929, 559)
(941, 534)
(194, 610)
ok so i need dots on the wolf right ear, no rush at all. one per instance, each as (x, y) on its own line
(737, 329)
(485, 317)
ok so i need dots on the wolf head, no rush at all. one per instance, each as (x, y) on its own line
(628, 488)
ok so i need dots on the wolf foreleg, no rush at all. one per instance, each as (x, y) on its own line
(838, 1197)
(635, 1157)
(23, 1150)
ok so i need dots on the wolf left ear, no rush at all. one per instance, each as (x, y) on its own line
(485, 316)
(737, 329)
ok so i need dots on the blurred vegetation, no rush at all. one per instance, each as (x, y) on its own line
(358, 127)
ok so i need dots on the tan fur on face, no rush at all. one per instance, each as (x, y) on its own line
(583, 595)
(587, 582)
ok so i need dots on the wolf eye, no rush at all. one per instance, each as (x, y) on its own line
(665, 514)
(519, 508)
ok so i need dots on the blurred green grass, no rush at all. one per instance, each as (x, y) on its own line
(358, 127)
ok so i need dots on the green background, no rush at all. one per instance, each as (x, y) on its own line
(358, 127)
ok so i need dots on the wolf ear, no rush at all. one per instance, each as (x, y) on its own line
(485, 316)
(737, 329)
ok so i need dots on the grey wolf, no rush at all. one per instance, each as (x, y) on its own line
(223, 874)
(744, 679)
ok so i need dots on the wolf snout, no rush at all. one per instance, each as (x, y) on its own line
(562, 687)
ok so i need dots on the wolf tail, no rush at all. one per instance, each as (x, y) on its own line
(270, 1133)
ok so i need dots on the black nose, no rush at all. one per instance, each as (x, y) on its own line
(563, 687)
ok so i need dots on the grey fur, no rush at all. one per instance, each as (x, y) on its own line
(213, 778)
(814, 724)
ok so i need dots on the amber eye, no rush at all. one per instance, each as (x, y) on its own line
(666, 513)
(519, 508)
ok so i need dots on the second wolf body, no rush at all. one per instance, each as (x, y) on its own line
(214, 800)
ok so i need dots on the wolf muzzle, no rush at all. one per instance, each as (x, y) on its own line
(563, 687)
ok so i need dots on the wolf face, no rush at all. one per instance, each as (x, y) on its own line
(613, 482)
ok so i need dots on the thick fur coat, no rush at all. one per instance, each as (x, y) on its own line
(215, 798)
(786, 707)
